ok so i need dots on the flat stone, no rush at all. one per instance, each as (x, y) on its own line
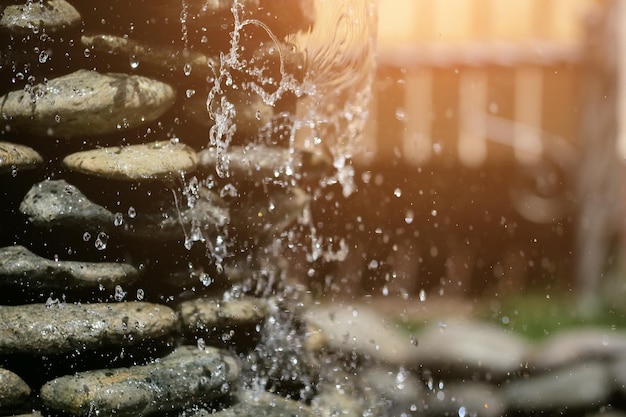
(254, 162)
(571, 346)
(86, 103)
(261, 404)
(470, 349)
(467, 398)
(583, 385)
(59, 204)
(188, 375)
(362, 330)
(33, 16)
(148, 161)
(15, 157)
(61, 328)
(21, 266)
(13, 390)
(208, 314)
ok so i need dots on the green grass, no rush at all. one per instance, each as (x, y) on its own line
(537, 316)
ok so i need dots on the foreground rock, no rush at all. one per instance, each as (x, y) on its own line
(209, 314)
(19, 266)
(14, 157)
(185, 377)
(86, 103)
(33, 16)
(55, 204)
(148, 161)
(61, 328)
(13, 390)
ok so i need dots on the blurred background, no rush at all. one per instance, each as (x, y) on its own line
(493, 159)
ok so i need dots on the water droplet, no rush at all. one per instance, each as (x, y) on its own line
(433, 213)
(119, 293)
(118, 220)
(86, 236)
(132, 212)
(140, 294)
(397, 192)
(190, 92)
(205, 279)
(400, 114)
(409, 216)
(43, 57)
(187, 69)
(134, 62)
(101, 241)
(422, 295)
(461, 411)
(87, 52)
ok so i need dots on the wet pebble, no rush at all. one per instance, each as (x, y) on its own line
(576, 386)
(20, 266)
(470, 349)
(86, 103)
(571, 346)
(185, 377)
(207, 314)
(147, 161)
(33, 16)
(364, 331)
(57, 203)
(260, 404)
(15, 157)
(13, 390)
(49, 329)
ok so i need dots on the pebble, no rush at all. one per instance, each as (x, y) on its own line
(364, 331)
(15, 157)
(33, 16)
(60, 328)
(57, 203)
(186, 376)
(471, 349)
(21, 266)
(207, 314)
(249, 163)
(261, 404)
(164, 161)
(576, 386)
(86, 103)
(13, 390)
(572, 346)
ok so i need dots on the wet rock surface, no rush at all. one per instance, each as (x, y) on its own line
(14, 157)
(186, 376)
(13, 390)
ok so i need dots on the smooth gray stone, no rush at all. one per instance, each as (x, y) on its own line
(186, 376)
(13, 390)
(86, 103)
(254, 162)
(33, 16)
(348, 329)
(469, 349)
(59, 204)
(260, 404)
(60, 328)
(579, 386)
(15, 157)
(209, 314)
(162, 160)
(19, 265)
(574, 345)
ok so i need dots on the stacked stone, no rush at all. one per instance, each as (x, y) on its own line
(119, 240)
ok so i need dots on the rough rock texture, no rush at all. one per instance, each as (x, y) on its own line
(186, 376)
(47, 330)
(34, 16)
(13, 390)
(14, 157)
(60, 204)
(147, 161)
(207, 314)
(20, 266)
(86, 103)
